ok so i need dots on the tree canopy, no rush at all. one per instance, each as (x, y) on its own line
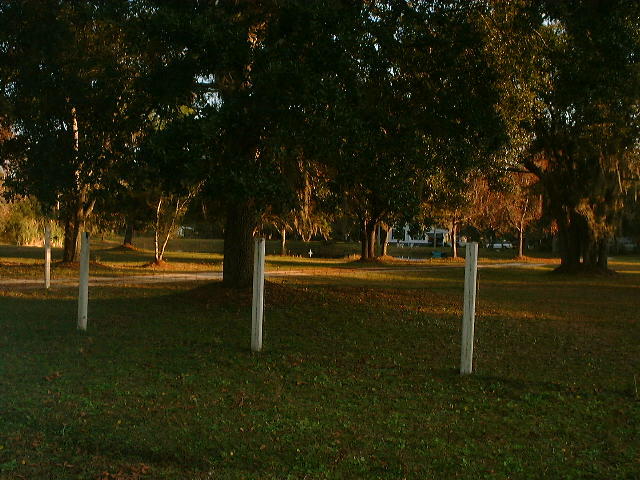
(574, 92)
(68, 75)
(378, 103)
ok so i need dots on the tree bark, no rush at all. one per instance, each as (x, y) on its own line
(603, 255)
(364, 241)
(580, 251)
(237, 270)
(128, 234)
(584, 218)
(74, 226)
(69, 243)
(371, 240)
(570, 247)
(157, 258)
(521, 240)
(386, 236)
(72, 230)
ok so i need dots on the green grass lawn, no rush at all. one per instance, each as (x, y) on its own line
(358, 379)
(109, 259)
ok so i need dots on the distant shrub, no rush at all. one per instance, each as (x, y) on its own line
(5, 210)
(22, 223)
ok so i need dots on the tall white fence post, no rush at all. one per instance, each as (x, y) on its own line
(469, 315)
(47, 255)
(83, 294)
(257, 311)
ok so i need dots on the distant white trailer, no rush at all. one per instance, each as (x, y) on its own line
(433, 237)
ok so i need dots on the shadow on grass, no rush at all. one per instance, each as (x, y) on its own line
(164, 377)
(19, 254)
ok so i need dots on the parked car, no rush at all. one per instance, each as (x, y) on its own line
(500, 245)
(461, 243)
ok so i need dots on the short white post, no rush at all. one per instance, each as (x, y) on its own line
(83, 294)
(47, 255)
(469, 315)
(257, 311)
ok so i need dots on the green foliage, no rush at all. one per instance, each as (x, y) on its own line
(391, 102)
(412, 108)
(22, 226)
(4, 210)
(571, 81)
(69, 77)
(22, 223)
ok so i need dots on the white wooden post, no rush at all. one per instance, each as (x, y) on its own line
(47, 255)
(83, 294)
(469, 315)
(257, 310)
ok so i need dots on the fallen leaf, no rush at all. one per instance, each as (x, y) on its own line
(53, 376)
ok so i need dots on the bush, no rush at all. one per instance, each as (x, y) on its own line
(22, 226)
(22, 223)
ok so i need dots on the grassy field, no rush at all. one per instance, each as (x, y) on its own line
(196, 255)
(358, 378)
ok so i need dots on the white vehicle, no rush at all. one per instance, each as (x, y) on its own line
(500, 245)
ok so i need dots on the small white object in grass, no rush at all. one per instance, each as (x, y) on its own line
(310, 253)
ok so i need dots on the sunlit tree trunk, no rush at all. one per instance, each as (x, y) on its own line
(156, 237)
(283, 241)
(521, 240)
(386, 236)
(454, 239)
(74, 226)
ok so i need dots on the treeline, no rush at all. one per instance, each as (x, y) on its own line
(287, 112)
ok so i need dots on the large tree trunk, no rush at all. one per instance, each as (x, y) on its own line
(580, 250)
(603, 255)
(586, 217)
(371, 240)
(69, 242)
(368, 239)
(570, 246)
(364, 241)
(72, 229)
(74, 226)
(386, 235)
(128, 234)
(238, 246)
